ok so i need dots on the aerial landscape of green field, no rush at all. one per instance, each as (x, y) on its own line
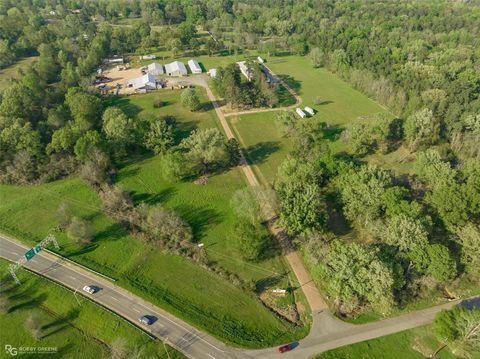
(235, 179)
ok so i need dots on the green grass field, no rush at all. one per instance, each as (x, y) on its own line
(265, 145)
(174, 283)
(340, 106)
(11, 72)
(411, 344)
(78, 328)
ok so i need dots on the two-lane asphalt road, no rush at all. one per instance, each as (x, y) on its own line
(327, 332)
(173, 331)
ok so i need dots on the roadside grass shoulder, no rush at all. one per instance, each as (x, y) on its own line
(414, 343)
(77, 327)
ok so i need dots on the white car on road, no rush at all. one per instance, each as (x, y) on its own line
(89, 289)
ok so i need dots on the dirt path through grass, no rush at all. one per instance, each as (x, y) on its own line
(311, 292)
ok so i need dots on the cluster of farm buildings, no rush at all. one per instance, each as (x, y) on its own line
(146, 78)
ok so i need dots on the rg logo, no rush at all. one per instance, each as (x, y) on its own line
(10, 350)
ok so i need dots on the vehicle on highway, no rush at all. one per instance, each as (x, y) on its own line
(90, 289)
(146, 319)
(287, 347)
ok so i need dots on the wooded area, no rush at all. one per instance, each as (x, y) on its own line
(421, 231)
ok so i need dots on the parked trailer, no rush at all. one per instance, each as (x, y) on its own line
(310, 110)
(300, 113)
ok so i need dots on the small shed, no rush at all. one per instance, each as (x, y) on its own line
(149, 57)
(176, 68)
(155, 69)
(194, 66)
(310, 110)
(212, 72)
(300, 113)
(260, 60)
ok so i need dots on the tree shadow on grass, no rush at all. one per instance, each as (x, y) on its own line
(125, 104)
(62, 321)
(29, 303)
(294, 84)
(337, 223)
(183, 130)
(84, 250)
(199, 218)
(326, 102)
(153, 198)
(332, 132)
(264, 283)
(206, 106)
(259, 152)
(112, 233)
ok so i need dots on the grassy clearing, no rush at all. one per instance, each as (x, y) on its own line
(340, 107)
(12, 72)
(415, 343)
(78, 331)
(265, 145)
(172, 282)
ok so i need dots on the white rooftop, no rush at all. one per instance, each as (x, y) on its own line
(155, 67)
(176, 67)
(194, 66)
(142, 81)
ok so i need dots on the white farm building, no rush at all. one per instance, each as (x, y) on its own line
(176, 68)
(194, 67)
(155, 69)
(145, 83)
(310, 110)
(300, 112)
(247, 72)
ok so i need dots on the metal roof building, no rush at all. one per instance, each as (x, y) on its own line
(155, 69)
(175, 68)
(145, 82)
(194, 66)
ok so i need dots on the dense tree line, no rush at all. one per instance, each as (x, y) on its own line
(421, 230)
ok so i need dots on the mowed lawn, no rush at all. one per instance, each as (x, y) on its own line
(77, 327)
(411, 344)
(172, 282)
(265, 145)
(340, 107)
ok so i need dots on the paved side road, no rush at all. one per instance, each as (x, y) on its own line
(173, 331)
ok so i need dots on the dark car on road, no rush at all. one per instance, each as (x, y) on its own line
(146, 319)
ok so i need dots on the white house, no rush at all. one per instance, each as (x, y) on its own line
(148, 57)
(145, 82)
(260, 60)
(194, 66)
(212, 72)
(245, 70)
(175, 68)
(310, 110)
(300, 112)
(155, 69)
